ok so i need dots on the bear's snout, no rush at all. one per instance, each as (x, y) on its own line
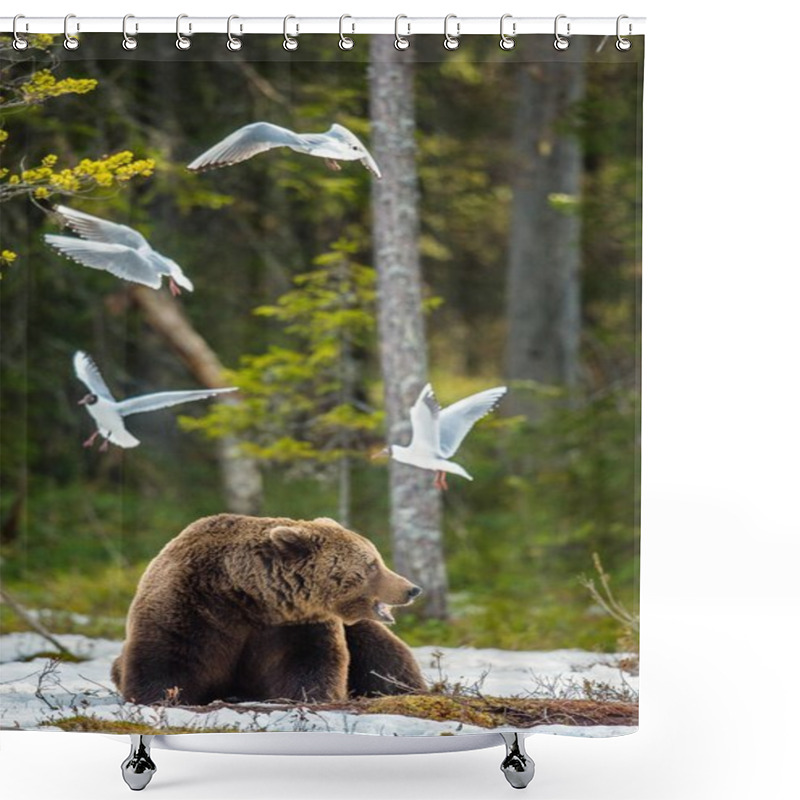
(395, 590)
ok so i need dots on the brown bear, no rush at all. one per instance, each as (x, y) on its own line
(259, 608)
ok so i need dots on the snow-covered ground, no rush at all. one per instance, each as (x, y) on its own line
(35, 693)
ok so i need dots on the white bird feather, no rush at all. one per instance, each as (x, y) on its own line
(109, 413)
(437, 433)
(336, 144)
(117, 249)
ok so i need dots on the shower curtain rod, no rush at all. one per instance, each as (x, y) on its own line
(345, 25)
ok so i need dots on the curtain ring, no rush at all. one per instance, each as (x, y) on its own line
(20, 42)
(234, 43)
(623, 44)
(289, 43)
(400, 42)
(451, 42)
(507, 42)
(345, 42)
(70, 42)
(560, 43)
(129, 42)
(182, 42)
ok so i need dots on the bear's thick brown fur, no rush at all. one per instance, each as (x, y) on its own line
(258, 608)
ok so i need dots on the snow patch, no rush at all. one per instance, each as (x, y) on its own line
(35, 693)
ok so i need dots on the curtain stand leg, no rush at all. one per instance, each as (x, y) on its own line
(517, 766)
(138, 768)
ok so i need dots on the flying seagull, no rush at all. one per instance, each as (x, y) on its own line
(109, 414)
(436, 432)
(117, 249)
(335, 145)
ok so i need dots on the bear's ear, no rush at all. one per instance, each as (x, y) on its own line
(291, 542)
(326, 521)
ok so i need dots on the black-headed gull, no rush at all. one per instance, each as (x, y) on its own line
(109, 413)
(336, 144)
(117, 249)
(436, 432)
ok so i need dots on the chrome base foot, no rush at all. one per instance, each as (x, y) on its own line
(517, 766)
(138, 768)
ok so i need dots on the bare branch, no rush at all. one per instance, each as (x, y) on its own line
(30, 620)
(605, 598)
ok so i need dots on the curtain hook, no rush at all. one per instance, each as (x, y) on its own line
(234, 43)
(401, 42)
(560, 42)
(289, 43)
(345, 42)
(70, 42)
(129, 42)
(182, 42)
(20, 42)
(451, 42)
(507, 42)
(623, 44)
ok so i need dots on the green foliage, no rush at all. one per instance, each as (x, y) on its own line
(43, 85)
(7, 258)
(24, 88)
(44, 181)
(301, 405)
(21, 85)
(517, 539)
(543, 500)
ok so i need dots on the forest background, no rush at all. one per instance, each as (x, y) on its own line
(557, 470)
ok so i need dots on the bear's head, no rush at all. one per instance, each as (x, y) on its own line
(345, 569)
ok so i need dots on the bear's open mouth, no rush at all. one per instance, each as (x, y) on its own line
(384, 612)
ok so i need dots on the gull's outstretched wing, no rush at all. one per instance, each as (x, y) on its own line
(89, 375)
(152, 402)
(100, 230)
(456, 420)
(118, 259)
(424, 416)
(246, 142)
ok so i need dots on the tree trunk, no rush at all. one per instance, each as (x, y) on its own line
(345, 491)
(241, 477)
(543, 286)
(415, 504)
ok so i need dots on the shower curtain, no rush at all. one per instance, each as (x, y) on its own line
(320, 386)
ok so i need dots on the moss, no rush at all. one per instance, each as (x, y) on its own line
(88, 724)
(56, 656)
(492, 712)
(435, 707)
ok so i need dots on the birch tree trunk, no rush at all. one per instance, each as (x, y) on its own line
(241, 477)
(543, 286)
(415, 504)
